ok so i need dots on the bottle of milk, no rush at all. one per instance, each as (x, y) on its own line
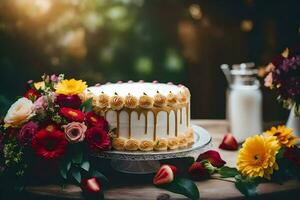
(244, 100)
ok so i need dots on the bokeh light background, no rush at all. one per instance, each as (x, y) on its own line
(182, 41)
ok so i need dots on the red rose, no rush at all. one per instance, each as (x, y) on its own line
(91, 185)
(293, 155)
(97, 139)
(72, 114)
(32, 94)
(197, 170)
(93, 119)
(71, 101)
(213, 157)
(49, 145)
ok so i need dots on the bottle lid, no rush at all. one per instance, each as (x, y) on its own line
(244, 69)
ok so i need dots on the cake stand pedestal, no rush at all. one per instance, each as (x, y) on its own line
(138, 162)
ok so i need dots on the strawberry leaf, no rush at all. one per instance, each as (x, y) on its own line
(183, 186)
(246, 186)
(76, 175)
(228, 172)
(85, 165)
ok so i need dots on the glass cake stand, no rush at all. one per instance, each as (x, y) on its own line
(138, 162)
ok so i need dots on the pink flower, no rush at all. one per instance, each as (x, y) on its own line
(269, 80)
(27, 132)
(270, 67)
(75, 131)
(40, 104)
(54, 78)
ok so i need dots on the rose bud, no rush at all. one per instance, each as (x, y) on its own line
(91, 185)
(213, 157)
(70, 101)
(164, 175)
(27, 132)
(75, 131)
(32, 94)
(93, 119)
(197, 170)
(229, 143)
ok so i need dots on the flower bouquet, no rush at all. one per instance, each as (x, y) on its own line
(49, 133)
(284, 77)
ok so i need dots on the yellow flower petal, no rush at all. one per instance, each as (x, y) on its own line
(257, 157)
(70, 87)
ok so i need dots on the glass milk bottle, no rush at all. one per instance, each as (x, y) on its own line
(244, 100)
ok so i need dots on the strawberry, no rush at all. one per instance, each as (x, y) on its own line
(198, 170)
(164, 175)
(91, 185)
(229, 143)
(174, 169)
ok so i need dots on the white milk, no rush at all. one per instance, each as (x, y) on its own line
(244, 110)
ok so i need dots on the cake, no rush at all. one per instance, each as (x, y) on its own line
(146, 116)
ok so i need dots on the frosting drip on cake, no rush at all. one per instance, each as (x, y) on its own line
(146, 116)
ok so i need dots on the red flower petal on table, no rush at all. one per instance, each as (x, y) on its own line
(32, 94)
(93, 119)
(49, 145)
(213, 157)
(229, 143)
(164, 175)
(198, 170)
(91, 185)
(70, 101)
(72, 114)
(97, 139)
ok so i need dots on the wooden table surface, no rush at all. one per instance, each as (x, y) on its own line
(209, 189)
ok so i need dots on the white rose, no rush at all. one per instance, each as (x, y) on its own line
(20, 112)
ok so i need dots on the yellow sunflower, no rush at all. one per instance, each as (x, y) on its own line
(257, 157)
(70, 87)
(284, 135)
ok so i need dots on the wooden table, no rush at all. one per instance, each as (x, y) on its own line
(209, 189)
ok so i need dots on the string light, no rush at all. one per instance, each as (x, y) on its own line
(246, 25)
(195, 11)
(34, 8)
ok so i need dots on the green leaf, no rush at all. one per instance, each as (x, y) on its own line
(87, 106)
(77, 158)
(183, 186)
(280, 153)
(99, 176)
(64, 168)
(227, 172)
(63, 173)
(76, 175)
(85, 165)
(246, 186)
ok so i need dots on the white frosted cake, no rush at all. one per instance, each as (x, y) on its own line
(146, 116)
